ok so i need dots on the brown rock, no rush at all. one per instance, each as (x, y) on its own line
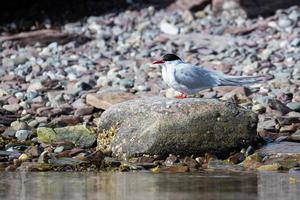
(190, 162)
(87, 110)
(253, 8)
(32, 151)
(12, 100)
(145, 159)
(192, 5)
(104, 100)
(295, 137)
(236, 158)
(66, 120)
(289, 128)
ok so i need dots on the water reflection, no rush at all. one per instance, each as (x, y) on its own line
(54, 185)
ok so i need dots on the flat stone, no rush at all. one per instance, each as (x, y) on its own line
(163, 126)
(80, 135)
(12, 107)
(282, 148)
(104, 100)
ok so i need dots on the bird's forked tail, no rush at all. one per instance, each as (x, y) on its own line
(241, 80)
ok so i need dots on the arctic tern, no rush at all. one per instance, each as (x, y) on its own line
(187, 78)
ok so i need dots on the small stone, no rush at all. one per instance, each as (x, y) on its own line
(19, 95)
(12, 100)
(145, 159)
(249, 151)
(295, 136)
(33, 151)
(289, 128)
(87, 110)
(59, 149)
(171, 160)
(253, 161)
(111, 162)
(168, 28)
(66, 120)
(23, 134)
(126, 83)
(65, 161)
(295, 106)
(295, 42)
(43, 158)
(267, 124)
(36, 86)
(191, 163)
(19, 60)
(258, 108)
(19, 125)
(284, 23)
(200, 160)
(236, 158)
(23, 157)
(79, 103)
(12, 108)
(41, 119)
(146, 165)
(7, 62)
(9, 132)
(33, 123)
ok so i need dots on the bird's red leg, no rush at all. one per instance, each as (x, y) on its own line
(182, 96)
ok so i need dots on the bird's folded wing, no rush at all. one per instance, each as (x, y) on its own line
(195, 77)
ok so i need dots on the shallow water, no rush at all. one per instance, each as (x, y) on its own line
(140, 186)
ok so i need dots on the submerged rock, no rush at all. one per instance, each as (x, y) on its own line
(164, 126)
(80, 135)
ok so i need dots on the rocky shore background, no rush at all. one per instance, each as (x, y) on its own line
(61, 85)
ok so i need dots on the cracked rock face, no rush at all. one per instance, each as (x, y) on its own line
(185, 127)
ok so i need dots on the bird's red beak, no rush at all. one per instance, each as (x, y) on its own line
(158, 62)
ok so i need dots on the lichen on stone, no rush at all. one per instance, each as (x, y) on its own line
(105, 137)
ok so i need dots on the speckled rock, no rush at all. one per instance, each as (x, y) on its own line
(181, 127)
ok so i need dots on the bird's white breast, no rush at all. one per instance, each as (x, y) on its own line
(168, 74)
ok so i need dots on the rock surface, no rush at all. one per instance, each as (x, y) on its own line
(282, 148)
(80, 135)
(253, 8)
(185, 127)
(105, 99)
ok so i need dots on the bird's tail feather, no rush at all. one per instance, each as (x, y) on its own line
(241, 80)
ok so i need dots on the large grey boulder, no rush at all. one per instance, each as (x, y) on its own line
(184, 127)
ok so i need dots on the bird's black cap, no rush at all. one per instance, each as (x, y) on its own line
(170, 57)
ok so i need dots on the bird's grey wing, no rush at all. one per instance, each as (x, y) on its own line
(194, 77)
